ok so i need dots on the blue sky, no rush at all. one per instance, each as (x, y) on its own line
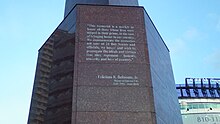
(190, 28)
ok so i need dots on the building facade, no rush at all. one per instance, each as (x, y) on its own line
(199, 100)
(109, 66)
(41, 82)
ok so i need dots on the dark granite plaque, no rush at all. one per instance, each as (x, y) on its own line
(111, 72)
(111, 47)
(112, 118)
(113, 75)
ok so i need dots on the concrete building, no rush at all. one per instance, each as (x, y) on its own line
(199, 100)
(40, 89)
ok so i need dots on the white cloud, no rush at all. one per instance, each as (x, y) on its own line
(215, 19)
(213, 60)
(177, 46)
(191, 33)
(218, 25)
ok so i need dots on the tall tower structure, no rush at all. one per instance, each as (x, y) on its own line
(71, 3)
(109, 65)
